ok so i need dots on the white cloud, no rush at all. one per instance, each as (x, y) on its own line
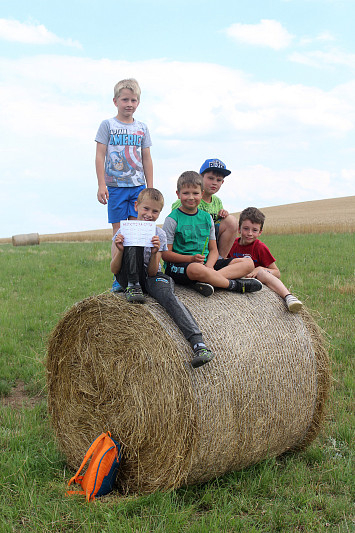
(64, 101)
(31, 33)
(320, 59)
(348, 175)
(51, 107)
(268, 33)
(321, 37)
(263, 186)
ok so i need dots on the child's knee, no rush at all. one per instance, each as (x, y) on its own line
(193, 270)
(263, 276)
(229, 223)
(247, 262)
(250, 263)
(159, 286)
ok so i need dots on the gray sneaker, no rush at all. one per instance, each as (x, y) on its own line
(203, 288)
(134, 295)
(202, 356)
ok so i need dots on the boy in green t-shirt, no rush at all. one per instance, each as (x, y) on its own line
(213, 172)
(192, 255)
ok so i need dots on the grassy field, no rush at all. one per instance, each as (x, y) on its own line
(308, 491)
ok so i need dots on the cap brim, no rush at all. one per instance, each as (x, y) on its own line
(224, 171)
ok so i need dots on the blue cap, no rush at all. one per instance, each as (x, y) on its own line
(215, 164)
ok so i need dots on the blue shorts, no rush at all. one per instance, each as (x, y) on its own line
(177, 271)
(120, 203)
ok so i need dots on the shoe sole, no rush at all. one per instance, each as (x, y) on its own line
(138, 299)
(200, 361)
(204, 288)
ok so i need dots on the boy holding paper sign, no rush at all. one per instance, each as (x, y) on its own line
(138, 267)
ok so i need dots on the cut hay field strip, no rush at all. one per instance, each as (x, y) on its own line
(336, 215)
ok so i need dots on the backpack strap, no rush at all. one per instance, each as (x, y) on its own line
(88, 454)
(70, 492)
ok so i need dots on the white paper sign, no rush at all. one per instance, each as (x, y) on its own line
(137, 232)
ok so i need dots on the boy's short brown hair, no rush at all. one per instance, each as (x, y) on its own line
(153, 194)
(129, 83)
(190, 177)
(254, 215)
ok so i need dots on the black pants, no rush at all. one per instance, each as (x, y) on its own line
(161, 288)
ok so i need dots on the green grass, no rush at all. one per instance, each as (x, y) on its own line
(308, 491)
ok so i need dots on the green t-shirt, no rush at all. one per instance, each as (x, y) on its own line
(189, 234)
(213, 208)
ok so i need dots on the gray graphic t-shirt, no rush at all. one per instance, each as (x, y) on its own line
(123, 164)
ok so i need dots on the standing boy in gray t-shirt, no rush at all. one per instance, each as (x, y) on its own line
(123, 162)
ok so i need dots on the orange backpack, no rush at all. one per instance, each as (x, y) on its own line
(101, 473)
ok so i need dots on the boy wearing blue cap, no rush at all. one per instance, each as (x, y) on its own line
(213, 172)
(192, 254)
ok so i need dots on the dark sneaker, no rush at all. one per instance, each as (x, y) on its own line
(202, 356)
(203, 288)
(116, 287)
(247, 285)
(135, 295)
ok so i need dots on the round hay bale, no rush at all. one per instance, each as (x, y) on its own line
(126, 368)
(25, 239)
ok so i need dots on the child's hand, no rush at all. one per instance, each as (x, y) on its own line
(223, 213)
(102, 195)
(254, 272)
(119, 242)
(198, 258)
(156, 244)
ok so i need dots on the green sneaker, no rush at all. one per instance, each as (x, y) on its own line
(202, 356)
(135, 295)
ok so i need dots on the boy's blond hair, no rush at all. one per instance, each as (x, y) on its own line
(153, 194)
(190, 177)
(129, 83)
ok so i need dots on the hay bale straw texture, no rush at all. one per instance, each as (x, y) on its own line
(25, 239)
(126, 368)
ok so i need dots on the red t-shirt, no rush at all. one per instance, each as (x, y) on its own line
(258, 251)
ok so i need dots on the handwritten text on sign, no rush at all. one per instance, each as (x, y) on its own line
(137, 232)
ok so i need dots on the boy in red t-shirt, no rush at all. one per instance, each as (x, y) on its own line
(251, 222)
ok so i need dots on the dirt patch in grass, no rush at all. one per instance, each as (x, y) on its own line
(347, 289)
(18, 398)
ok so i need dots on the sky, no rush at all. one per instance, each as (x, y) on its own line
(266, 86)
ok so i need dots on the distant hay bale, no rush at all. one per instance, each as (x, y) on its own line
(126, 368)
(25, 239)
